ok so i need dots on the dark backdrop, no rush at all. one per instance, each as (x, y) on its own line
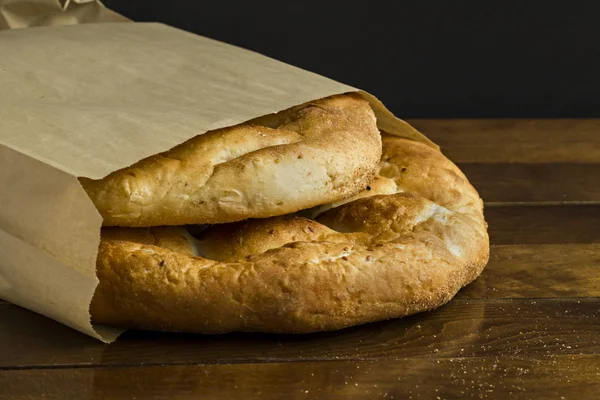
(421, 58)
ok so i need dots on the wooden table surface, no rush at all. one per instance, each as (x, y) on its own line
(528, 328)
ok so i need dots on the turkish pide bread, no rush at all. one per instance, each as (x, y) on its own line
(405, 244)
(312, 154)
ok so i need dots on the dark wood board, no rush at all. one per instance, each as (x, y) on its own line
(528, 328)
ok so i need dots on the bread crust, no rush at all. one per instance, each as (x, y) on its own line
(378, 257)
(312, 154)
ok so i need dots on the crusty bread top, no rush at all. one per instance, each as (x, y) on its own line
(312, 154)
(377, 257)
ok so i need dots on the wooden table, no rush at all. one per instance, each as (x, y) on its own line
(528, 328)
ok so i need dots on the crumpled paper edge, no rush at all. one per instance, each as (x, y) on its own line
(17, 14)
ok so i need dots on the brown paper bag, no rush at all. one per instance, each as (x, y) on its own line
(88, 99)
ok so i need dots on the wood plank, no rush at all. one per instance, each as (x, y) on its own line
(535, 183)
(538, 271)
(544, 224)
(515, 140)
(559, 377)
(541, 225)
(459, 329)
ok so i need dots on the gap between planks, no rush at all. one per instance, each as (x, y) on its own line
(509, 377)
(523, 328)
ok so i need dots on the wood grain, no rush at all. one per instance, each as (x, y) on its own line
(459, 329)
(538, 271)
(515, 140)
(503, 183)
(557, 377)
(557, 224)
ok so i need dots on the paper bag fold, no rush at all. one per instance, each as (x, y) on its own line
(16, 14)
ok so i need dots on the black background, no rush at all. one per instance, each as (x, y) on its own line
(421, 58)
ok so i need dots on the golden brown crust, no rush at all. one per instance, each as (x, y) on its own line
(174, 238)
(328, 149)
(239, 239)
(378, 257)
(379, 185)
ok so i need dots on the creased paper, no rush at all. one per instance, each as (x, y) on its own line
(28, 13)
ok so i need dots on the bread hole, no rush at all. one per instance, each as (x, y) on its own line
(285, 289)
(196, 230)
